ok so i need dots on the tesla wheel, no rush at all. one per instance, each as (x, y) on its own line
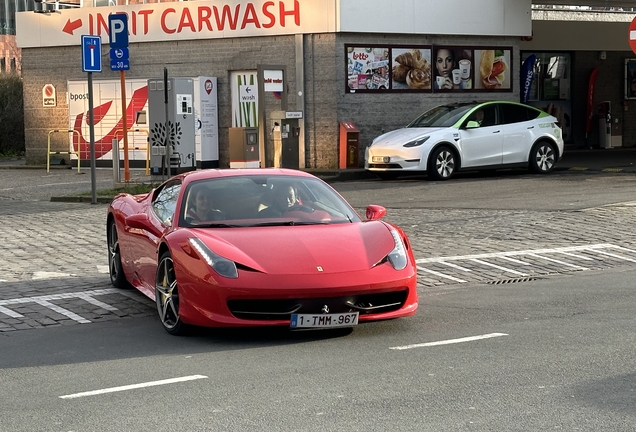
(386, 175)
(167, 296)
(117, 277)
(441, 165)
(542, 158)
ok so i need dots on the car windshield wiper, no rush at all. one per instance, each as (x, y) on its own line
(290, 223)
(216, 225)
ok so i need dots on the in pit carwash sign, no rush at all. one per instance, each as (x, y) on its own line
(179, 21)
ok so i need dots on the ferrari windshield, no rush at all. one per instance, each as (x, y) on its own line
(262, 200)
(442, 116)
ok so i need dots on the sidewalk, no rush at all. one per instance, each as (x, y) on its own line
(618, 160)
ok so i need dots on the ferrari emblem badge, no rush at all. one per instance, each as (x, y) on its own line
(325, 309)
(319, 268)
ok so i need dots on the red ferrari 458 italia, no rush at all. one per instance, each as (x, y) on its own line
(262, 247)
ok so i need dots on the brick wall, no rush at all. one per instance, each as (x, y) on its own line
(326, 103)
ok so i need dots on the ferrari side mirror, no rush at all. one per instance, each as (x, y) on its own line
(375, 212)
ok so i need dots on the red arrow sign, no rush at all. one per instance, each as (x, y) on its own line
(71, 26)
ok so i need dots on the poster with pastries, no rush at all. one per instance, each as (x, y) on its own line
(492, 69)
(367, 68)
(411, 69)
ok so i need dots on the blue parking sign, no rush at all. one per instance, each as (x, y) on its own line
(118, 30)
(91, 53)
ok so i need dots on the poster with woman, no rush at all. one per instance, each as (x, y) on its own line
(453, 69)
(492, 69)
(411, 69)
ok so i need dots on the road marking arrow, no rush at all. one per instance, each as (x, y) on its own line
(71, 26)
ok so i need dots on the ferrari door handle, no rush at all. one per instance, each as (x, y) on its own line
(497, 131)
(530, 127)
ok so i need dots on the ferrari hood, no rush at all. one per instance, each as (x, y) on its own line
(300, 250)
(399, 137)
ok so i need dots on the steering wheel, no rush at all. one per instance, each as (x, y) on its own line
(300, 207)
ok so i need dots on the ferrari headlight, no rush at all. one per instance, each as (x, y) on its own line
(417, 142)
(222, 266)
(397, 257)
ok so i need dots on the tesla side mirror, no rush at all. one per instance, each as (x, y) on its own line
(472, 124)
(375, 212)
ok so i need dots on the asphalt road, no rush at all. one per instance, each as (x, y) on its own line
(525, 322)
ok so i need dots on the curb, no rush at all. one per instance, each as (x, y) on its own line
(82, 199)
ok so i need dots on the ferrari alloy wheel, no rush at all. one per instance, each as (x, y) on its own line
(117, 277)
(542, 158)
(442, 164)
(167, 295)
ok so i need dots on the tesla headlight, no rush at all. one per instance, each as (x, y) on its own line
(222, 266)
(397, 257)
(417, 142)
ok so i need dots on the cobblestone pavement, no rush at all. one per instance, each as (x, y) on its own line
(55, 263)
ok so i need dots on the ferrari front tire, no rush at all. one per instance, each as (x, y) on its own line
(115, 268)
(167, 296)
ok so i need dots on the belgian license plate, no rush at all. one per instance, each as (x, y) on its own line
(381, 159)
(324, 320)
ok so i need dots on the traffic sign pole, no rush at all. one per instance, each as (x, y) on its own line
(91, 121)
(91, 62)
(122, 78)
(118, 41)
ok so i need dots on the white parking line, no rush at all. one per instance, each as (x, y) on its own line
(45, 301)
(576, 256)
(448, 342)
(455, 266)
(558, 262)
(442, 275)
(514, 260)
(615, 256)
(67, 313)
(589, 248)
(133, 386)
(498, 267)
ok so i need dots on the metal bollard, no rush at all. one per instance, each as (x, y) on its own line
(116, 170)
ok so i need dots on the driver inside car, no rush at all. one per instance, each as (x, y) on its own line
(283, 198)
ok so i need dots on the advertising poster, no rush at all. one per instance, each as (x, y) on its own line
(108, 117)
(452, 69)
(244, 91)
(411, 69)
(492, 67)
(399, 68)
(368, 68)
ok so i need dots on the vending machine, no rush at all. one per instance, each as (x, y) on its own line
(605, 124)
(172, 139)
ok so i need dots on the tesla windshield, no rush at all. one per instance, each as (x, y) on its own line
(441, 116)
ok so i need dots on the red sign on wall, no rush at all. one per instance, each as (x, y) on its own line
(632, 35)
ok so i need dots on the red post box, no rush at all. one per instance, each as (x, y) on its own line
(349, 145)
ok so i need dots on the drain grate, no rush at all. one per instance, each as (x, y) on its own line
(510, 281)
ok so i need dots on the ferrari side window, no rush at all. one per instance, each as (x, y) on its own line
(165, 202)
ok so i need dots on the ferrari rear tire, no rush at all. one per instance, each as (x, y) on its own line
(115, 268)
(542, 157)
(442, 163)
(167, 296)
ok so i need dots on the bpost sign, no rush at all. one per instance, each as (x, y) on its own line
(179, 21)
